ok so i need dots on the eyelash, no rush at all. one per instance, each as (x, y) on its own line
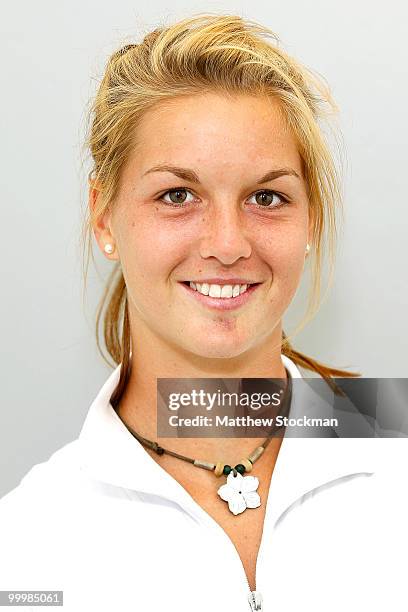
(184, 205)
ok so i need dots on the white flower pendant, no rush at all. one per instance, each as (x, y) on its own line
(240, 492)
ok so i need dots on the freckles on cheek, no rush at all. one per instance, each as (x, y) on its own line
(156, 250)
(278, 257)
(286, 262)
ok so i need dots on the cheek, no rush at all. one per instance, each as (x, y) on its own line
(284, 252)
(150, 251)
(284, 249)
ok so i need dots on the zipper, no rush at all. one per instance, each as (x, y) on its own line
(254, 599)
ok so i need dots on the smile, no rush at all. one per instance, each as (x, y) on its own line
(219, 291)
(221, 297)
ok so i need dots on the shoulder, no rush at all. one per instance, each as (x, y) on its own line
(33, 520)
(43, 482)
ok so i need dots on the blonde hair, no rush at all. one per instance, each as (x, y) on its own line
(209, 53)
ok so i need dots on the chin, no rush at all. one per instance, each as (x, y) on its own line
(220, 349)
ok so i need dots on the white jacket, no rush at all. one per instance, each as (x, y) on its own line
(102, 521)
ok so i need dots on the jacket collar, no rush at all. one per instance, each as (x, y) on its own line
(111, 455)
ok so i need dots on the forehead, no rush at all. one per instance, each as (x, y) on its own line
(216, 129)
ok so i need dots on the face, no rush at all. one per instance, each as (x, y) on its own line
(195, 204)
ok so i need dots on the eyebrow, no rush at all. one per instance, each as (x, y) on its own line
(189, 175)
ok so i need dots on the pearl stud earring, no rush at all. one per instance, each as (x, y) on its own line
(307, 248)
(108, 248)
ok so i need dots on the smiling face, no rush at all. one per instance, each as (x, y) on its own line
(215, 215)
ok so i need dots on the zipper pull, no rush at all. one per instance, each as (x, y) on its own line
(255, 601)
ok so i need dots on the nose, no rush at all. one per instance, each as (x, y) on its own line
(224, 234)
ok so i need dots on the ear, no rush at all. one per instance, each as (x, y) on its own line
(102, 225)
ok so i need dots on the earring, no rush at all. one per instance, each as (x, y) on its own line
(307, 248)
(108, 248)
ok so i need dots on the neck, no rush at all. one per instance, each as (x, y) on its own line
(153, 358)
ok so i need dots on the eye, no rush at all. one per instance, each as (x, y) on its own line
(266, 199)
(176, 197)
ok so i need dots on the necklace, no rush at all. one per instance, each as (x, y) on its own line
(239, 491)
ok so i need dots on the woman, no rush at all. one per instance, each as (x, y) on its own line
(212, 185)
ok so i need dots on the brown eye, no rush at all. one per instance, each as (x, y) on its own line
(177, 197)
(265, 199)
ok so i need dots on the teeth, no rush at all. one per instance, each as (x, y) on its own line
(219, 291)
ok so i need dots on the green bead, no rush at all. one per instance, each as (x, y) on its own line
(240, 468)
(227, 469)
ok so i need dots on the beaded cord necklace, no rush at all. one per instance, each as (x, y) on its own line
(239, 491)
